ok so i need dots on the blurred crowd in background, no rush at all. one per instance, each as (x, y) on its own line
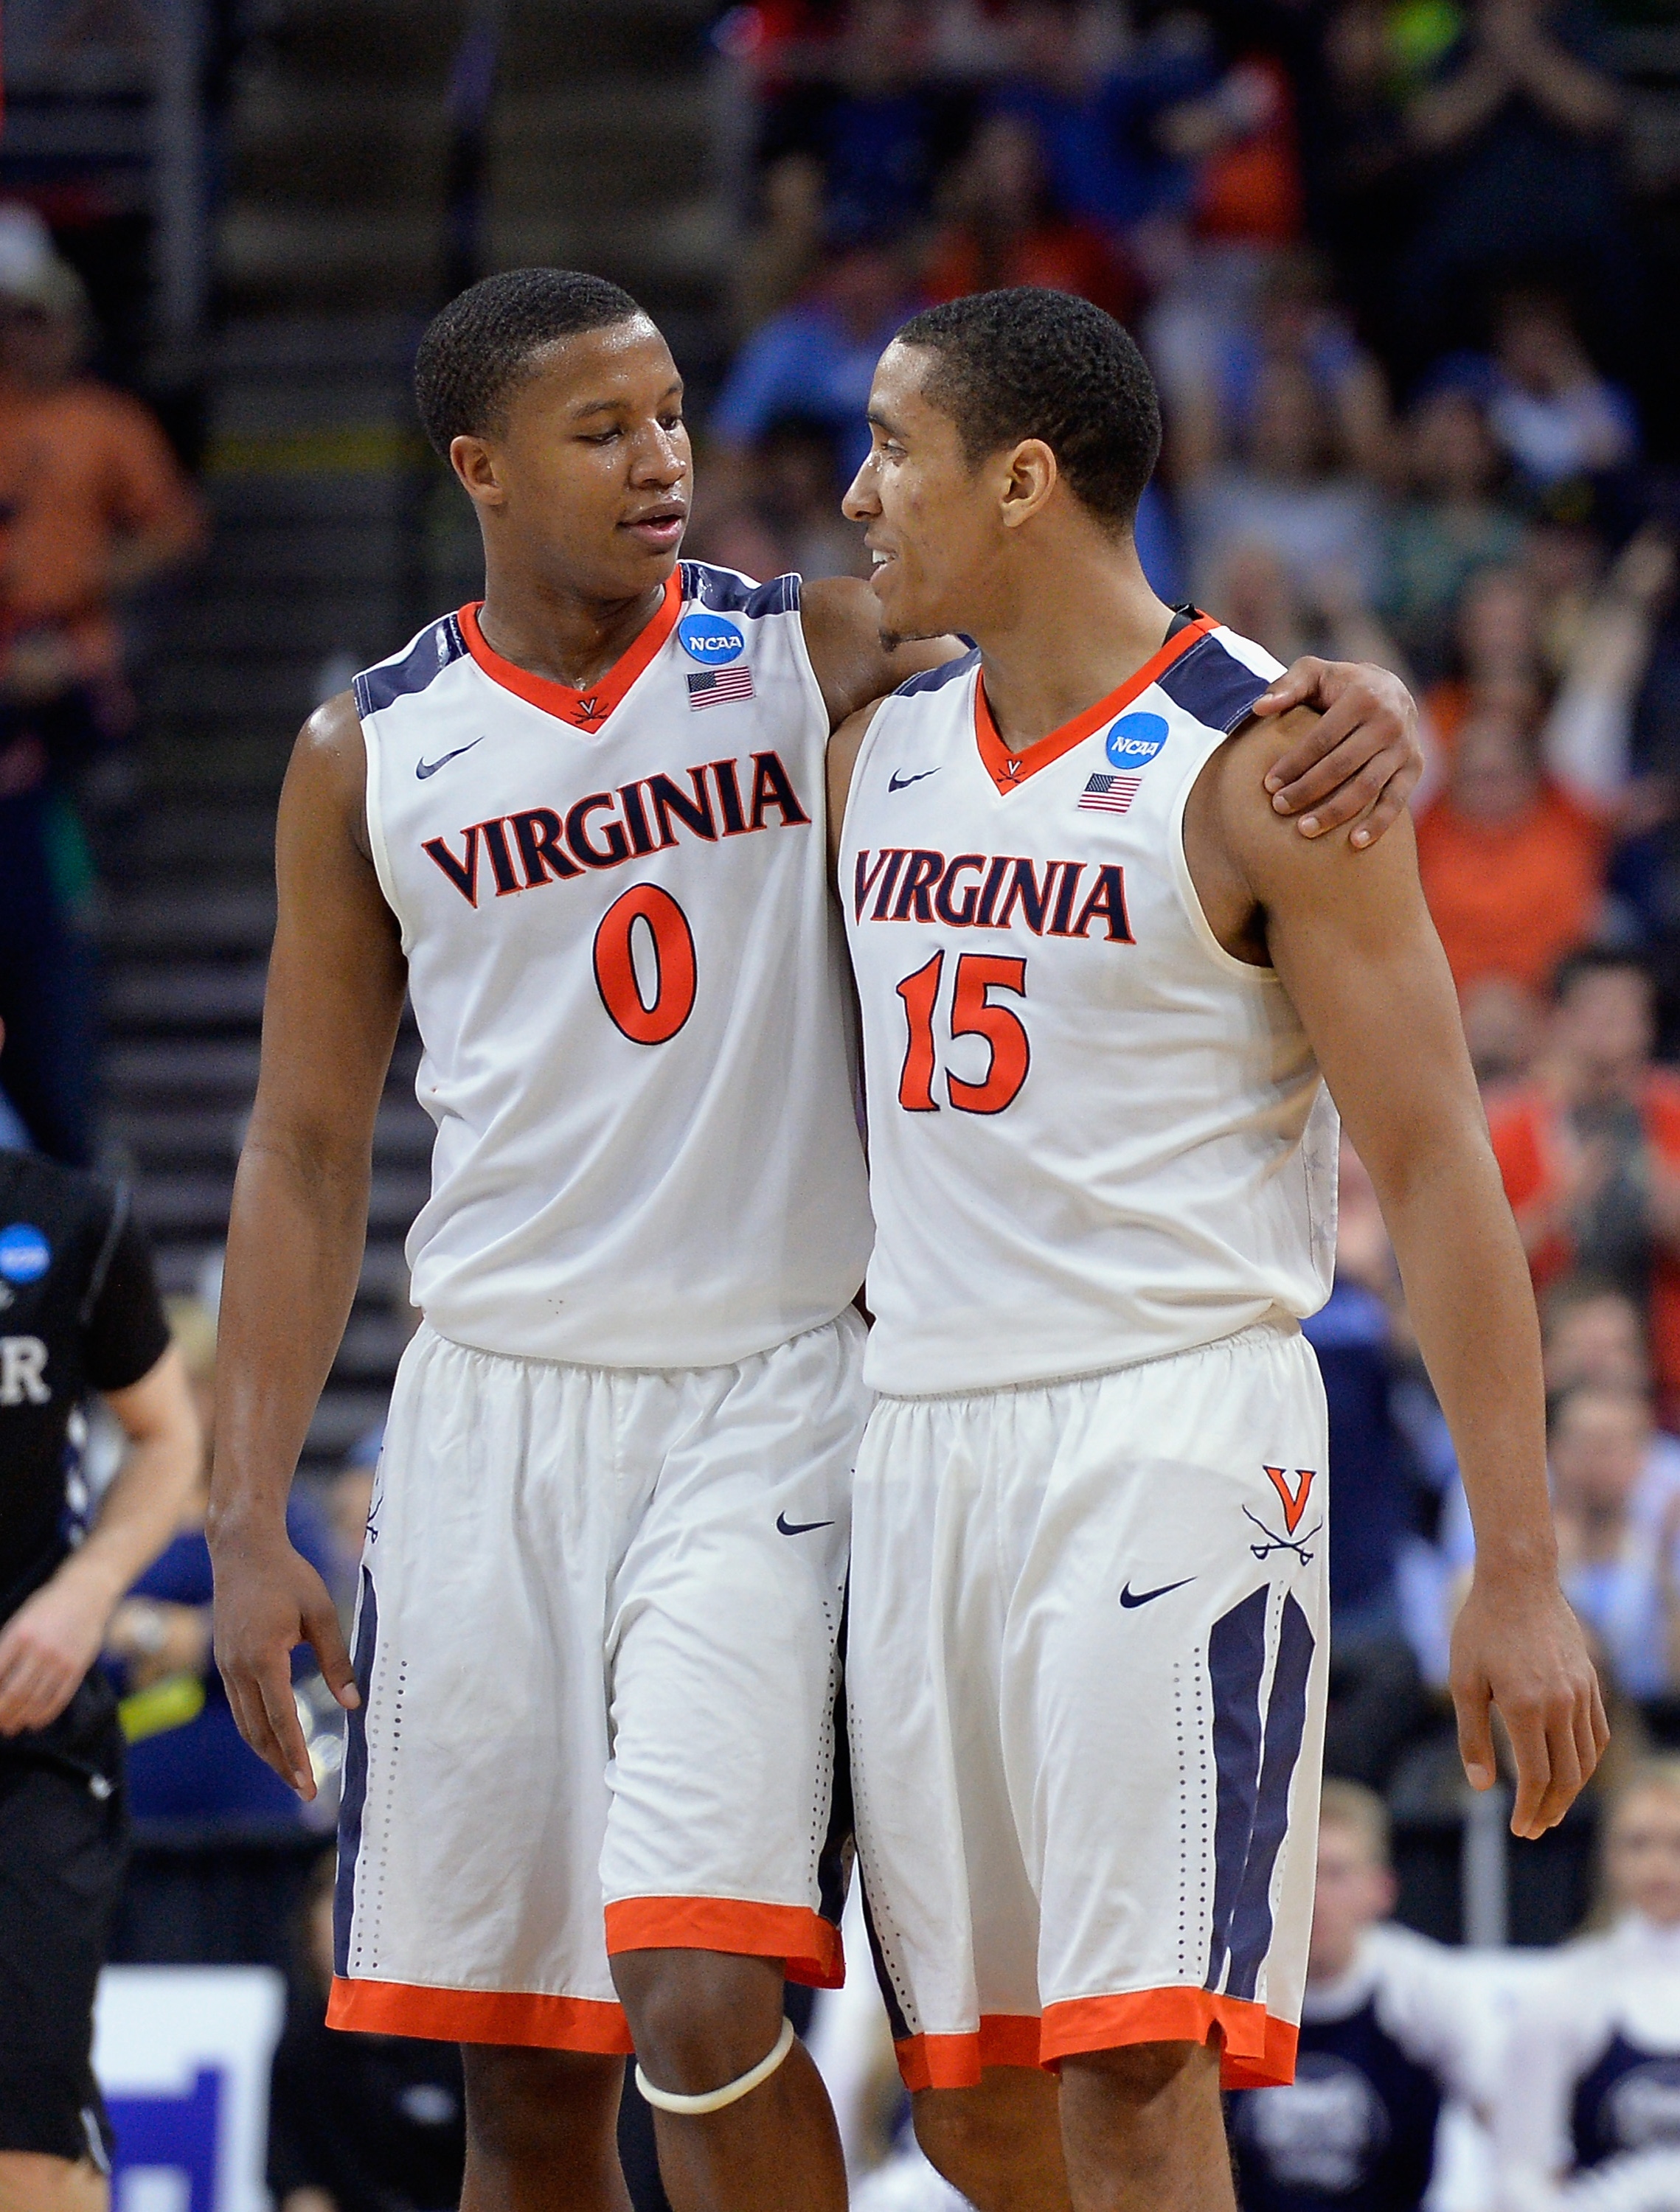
(1379, 256)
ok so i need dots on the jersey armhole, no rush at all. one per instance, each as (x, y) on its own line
(866, 745)
(1184, 883)
(372, 815)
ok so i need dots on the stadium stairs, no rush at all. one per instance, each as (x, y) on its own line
(356, 190)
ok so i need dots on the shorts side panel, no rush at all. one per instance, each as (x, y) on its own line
(951, 1902)
(475, 1800)
(1149, 1712)
(723, 1641)
(63, 1856)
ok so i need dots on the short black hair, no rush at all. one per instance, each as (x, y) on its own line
(1031, 363)
(477, 350)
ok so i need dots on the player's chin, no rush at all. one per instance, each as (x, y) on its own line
(903, 610)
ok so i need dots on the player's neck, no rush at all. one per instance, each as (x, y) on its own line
(550, 629)
(1064, 634)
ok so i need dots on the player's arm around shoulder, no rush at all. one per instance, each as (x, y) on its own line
(1353, 946)
(843, 748)
(853, 664)
(335, 994)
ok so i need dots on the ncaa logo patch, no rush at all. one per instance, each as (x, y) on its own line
(1135, 739)
(25, 1254)
(712, 640)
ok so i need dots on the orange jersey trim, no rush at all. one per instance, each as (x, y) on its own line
(955, 2062)
(1259, 2051)
(508, 2016)
(588, 708)
(1009, 770)
(810, 1944)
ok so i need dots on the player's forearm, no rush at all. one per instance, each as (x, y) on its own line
(294, 1246)
(1471, 1304)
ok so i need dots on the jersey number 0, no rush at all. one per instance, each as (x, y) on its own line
(657, 1019)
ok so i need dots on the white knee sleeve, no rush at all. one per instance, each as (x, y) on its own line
(714, 2100)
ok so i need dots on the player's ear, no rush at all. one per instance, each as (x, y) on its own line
(475, 464)
(1030, 478)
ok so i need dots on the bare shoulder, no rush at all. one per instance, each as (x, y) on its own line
(326, 782)
(1232, 807)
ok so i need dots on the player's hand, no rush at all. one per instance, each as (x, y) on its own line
(1359, 764)
(45, 1649)
(1516, 1644)
(268, 1601)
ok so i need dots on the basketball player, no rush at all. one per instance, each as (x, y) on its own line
(582, 824)
(1103, 990)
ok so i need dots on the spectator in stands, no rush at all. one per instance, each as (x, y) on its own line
(1451, 525)
(1512, 868)
(1502, 1027)
(1617, 1571)
(1001, 228)
(1357, 158)
(1288, 489)
(1386, 2036)
(358, 2123)
(1550, 409)
(221, 1846)
(816, 358)
(1496, 653)
(780, 255)
(875, 120)
(94, 506)
(1588, 2110)
(1590, 1151)
(1518, 122)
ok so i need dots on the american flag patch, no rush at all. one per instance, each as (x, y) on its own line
(710, 687)
(1105, 794)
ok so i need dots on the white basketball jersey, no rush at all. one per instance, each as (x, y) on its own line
(1095, 1137)
(630, 985)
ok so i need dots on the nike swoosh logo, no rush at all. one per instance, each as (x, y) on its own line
(903, 782)
(798, 1528)
(1130, 1597)
(423, 769)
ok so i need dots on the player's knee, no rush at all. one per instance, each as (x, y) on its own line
(529, 2106)
(1140, 2075)
(980, 2138)
(699, 2019)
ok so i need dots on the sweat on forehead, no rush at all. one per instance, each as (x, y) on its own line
(479, 349)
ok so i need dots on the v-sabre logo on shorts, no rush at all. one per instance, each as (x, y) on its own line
(713, 639)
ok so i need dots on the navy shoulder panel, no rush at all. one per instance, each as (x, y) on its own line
(725, 593)
(431, 652)
(1212, 685)
(935, 679)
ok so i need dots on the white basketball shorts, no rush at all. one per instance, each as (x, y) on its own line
(1085, 1674)
(596, 1642)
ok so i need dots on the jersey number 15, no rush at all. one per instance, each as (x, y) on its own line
(972, 1014)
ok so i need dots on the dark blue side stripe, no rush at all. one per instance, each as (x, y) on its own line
(727, 594)
(935, 679)
(430, 653)
(1250, 1934)
(1236, 1660)
(1213, 685)
(356, 1777)
(895, 2011)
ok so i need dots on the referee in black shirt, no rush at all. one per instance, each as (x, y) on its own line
(79, 1312)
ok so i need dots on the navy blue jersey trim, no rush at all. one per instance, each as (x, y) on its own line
(727, 594)
(431, 652)
(935, 679)
(1213, 686)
